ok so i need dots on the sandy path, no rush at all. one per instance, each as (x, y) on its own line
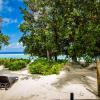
(52, 87)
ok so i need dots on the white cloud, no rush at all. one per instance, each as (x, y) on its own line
(16, 45)
(6, 20)
(9, 21)
(13, 47)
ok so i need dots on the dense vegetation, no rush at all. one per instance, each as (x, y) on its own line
(57, 27)
(45, 67)
(54, 27)
(3, 38)
(14, 64)
(39, 66)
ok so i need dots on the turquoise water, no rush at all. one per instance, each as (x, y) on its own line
(19, 55)
(23, 56)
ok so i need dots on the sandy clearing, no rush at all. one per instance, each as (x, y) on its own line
(42, 89)
(51, 87)
(1, 67)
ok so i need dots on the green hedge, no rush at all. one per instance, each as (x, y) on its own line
(45, 67)
(14, 64)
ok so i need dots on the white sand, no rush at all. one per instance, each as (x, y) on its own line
(1, 67)
(45, 88)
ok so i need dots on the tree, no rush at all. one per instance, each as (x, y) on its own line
(53, 27)
(82, 27)
(3, 38)
(41, 34)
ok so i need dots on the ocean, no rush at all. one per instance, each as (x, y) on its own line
(15, 55)
(21, 55)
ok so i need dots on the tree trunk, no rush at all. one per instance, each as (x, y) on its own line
(48, 55)
(55, 57)
(98, 76)
(74, 58)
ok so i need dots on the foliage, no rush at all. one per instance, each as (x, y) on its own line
(45, 67)
(14, 64)
(17, 65)
(54, 27)
(4, 61)
(3, 38)
(40, 30)
(88, 59)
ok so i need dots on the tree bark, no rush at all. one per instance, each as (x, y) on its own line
(98, 76)
(74, 58)
(48, 55)
(55, 57)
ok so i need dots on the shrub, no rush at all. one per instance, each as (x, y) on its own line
(37, 68)
(56, 68)
(14, 64)
(4, 61)
(88, 59)
(17, 65)
(1, 61)
(45, 67)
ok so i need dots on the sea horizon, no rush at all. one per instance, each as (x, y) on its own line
(14, 55)
(11, 52)
(21, 55)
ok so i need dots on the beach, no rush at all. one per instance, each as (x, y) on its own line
(49, 49)
(81, 82)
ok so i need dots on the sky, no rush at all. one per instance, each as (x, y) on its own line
(12, 18)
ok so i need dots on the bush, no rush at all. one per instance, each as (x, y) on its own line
(4, 61)
(37, 68)
(88, 59)
(56, 68)
(14, 64)
(17, 65)
(45, 67)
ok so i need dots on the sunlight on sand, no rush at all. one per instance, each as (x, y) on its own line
(44, 88)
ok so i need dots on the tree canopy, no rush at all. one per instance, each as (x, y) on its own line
(54, 27)
(3, 38)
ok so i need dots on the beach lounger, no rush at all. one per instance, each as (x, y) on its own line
(6, 82)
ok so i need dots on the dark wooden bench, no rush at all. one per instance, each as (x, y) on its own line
(6, 82)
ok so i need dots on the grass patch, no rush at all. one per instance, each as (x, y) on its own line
(45, 67)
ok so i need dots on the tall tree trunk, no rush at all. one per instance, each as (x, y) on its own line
(55, 57)
(74, 58)
(56, 37)
(48, 55)
(98, 76)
